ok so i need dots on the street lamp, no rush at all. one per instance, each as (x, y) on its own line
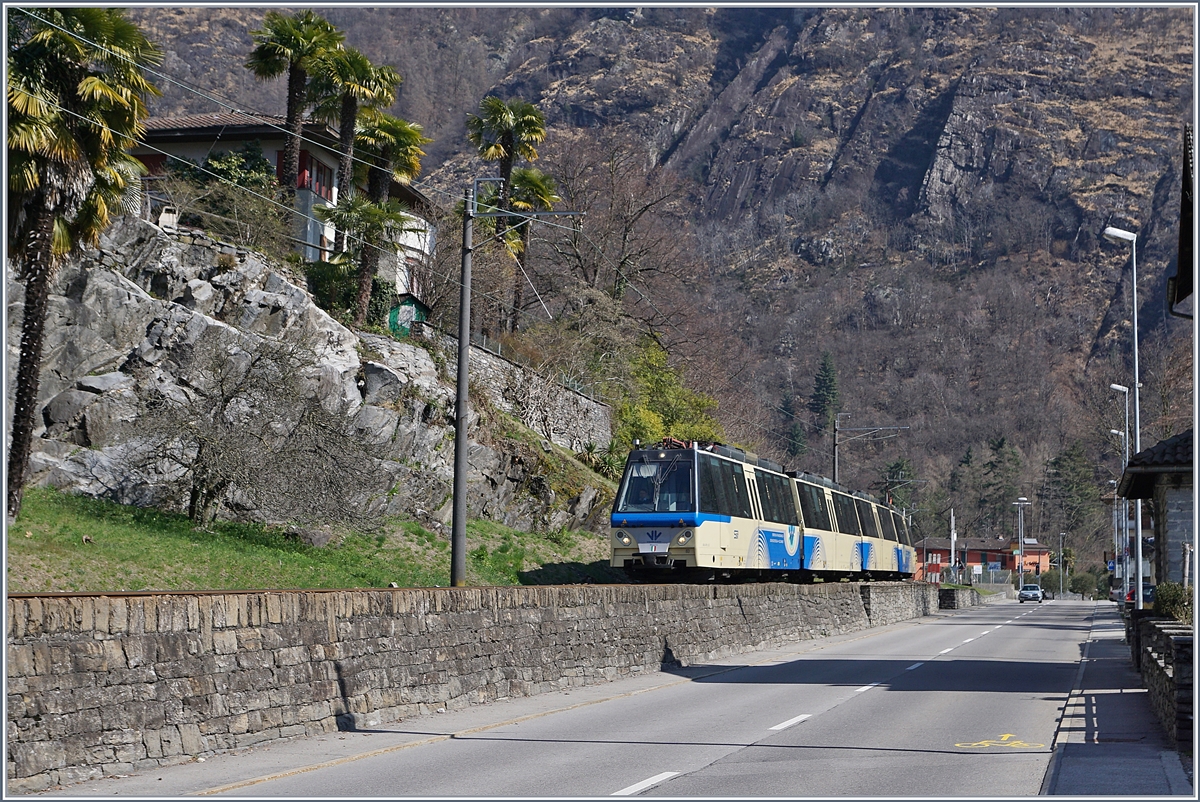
(1119, 236)
(1021, 503)
(1124, 547)
(1062, 562)
(1117, 552)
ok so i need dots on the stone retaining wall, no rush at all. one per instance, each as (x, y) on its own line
(111, 684)
(560, 414)
(1165, 660)
(890, 603)
(958, 598)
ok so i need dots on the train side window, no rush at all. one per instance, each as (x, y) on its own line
(902, 529)
(887, 524)
(776, 498)
(739, 494)
(723, 488)
(812, 505)
(710, 486)
(847, 518)
(867, 517)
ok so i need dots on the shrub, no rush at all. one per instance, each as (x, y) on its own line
(1173, 600)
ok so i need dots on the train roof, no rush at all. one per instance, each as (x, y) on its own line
(720, 449)
(825, 481)
(670, 443)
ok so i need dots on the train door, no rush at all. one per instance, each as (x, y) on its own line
(859, 552)
(755, 558)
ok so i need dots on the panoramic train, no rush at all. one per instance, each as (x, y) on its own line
(709, 512)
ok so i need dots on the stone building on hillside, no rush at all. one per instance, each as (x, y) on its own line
(1163, 475)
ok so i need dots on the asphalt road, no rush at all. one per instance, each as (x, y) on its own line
(962, 705)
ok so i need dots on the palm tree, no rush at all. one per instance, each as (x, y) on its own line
(532, 191)
(392, 149)
(367, 224)
(293, 45)
(343, 81)
(503, 132)
(75, 93)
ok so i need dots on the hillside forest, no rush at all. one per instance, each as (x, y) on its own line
(886, 221)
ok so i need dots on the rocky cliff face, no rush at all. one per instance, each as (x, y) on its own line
(125, 324)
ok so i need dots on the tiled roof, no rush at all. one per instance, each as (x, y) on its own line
(1175, 452)
(971, 543)
(1170, 456)
(212, 120)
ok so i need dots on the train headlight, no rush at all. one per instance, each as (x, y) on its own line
(684, 537)
(624, 538)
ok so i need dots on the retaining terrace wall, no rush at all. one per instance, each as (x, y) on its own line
(958, 598)
(1165, 660)
(111, 684)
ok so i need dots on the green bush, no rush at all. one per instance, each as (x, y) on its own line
(1173, 600)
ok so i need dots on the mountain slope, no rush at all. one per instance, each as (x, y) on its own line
(919, 192)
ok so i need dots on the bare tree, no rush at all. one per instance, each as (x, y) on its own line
(634, 230)
(242, 426)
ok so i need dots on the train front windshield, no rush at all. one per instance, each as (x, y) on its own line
(657, 481)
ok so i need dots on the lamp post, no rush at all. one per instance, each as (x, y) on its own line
(1124, 547)
(1062, 562)
(1119, 235)
(1116, 514)
(1021, 503)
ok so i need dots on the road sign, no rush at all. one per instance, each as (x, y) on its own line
(1112, 565)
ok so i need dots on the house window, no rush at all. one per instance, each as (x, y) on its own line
(322, 180)
(156, 163)
(313, 175)
(935, 558)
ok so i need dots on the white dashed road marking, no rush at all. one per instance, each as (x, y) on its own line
(644, 784)
(792, 721)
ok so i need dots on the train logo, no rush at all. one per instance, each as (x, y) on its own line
(654, 536)
(791, 540)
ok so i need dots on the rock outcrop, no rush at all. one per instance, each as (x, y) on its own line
(126, 319)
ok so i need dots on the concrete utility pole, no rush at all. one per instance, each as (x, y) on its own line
(458, 527)
(953, 546)
(462, 404)
(1062, 562)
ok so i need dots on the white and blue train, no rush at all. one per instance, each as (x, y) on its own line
(704, 511)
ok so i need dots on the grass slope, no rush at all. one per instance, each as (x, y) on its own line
(63, 542)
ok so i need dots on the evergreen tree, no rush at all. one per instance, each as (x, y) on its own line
(1073, 494)
(825, 401)
(1001, 472)
(797, 441)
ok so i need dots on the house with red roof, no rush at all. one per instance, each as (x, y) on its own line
(980, 557)
(195, 137)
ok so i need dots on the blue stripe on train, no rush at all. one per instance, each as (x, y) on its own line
(665, 518)
(864, 555)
